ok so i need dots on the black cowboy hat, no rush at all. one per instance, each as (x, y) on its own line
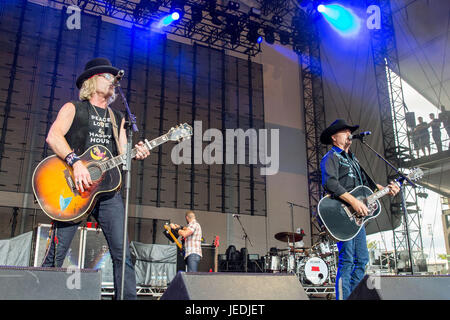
(96, 66)
(336, 126)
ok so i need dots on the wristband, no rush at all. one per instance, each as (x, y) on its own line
(71, 158)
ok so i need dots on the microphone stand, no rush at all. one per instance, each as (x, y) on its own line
(130, 126)
(246, 238)
(402, 191)
(291, 204)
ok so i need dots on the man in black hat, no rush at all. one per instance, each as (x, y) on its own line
(78, 126)
(341, 173)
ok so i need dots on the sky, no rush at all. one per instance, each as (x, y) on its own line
(431, 222)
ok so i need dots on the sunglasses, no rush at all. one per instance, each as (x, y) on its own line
(107, 76)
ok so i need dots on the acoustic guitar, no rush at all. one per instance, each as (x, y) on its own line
(54, 185)
(341, 220)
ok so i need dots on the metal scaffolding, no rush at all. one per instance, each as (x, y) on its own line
(314, 121)
(396, 142)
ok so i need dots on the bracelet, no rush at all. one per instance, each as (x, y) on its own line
(71, 158)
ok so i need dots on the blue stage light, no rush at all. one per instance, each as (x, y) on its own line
(175, 16)
(259, 40)
(342, 19)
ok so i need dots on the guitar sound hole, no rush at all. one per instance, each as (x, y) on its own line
(95, 172)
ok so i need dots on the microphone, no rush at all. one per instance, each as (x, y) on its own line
(359, 135)
(118, 77)
(236, 215)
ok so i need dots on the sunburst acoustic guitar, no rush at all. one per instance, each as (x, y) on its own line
(53, 181)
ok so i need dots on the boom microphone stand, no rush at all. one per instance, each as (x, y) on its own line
(402, 191)
(130, 126)
(246, 238)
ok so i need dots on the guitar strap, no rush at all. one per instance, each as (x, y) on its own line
(115, 128)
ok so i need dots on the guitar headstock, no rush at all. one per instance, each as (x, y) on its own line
(216, 241)
(180, 132)
(416, 174)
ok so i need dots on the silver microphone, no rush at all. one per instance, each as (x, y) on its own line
(236, 215)
(359, 135)
(118, 77)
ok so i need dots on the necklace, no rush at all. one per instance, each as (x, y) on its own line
(100, 121)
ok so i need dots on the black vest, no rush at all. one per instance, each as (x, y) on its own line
(87, 128)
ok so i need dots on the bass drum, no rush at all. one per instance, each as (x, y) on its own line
(313, 271)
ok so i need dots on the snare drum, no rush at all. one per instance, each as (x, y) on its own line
(314, 271)
(272, 263)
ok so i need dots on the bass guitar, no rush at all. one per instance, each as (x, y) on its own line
(341, 220)
(54, 185)
(169, 234)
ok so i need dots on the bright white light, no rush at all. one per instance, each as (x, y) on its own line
(175, 16)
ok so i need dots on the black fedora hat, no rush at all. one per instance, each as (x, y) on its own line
(96, 66)
(336, 126)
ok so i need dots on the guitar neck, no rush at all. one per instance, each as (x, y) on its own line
(121, 159)
(377, 195)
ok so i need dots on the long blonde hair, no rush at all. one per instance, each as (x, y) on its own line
(89, 87)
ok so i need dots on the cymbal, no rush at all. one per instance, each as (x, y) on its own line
(288, 236)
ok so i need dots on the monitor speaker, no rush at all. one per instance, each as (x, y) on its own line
(234, 286)
(31, 283)
(403, 287)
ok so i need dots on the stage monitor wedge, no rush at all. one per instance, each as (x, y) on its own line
(402, 287)
(234, 286)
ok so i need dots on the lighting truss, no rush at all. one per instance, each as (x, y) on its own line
(140, 13)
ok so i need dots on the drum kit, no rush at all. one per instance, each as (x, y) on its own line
(315, 266)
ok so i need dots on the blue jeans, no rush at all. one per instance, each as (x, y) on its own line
(353, 258)
(192, 262)
(109, 212)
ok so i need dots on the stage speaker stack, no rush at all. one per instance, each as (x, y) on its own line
(410, 119)
(30, 283)
(402, 288)
(234, 286)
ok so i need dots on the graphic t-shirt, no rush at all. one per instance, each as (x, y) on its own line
(92, 126)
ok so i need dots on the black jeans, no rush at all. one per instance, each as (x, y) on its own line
(109, 212)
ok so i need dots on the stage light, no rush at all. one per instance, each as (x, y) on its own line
(175, 16)
(341, 19)
(269, 35)
(232, 28)
(253, 33)
(254, 12)
(277, 20)
(177, 10)
(196, 14)
(284, 37)
(233, 5)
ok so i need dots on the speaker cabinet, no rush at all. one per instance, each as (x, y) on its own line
(234, 286)
(29, 283)
(402, 288)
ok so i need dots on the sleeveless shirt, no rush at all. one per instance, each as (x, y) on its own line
(89, 129)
